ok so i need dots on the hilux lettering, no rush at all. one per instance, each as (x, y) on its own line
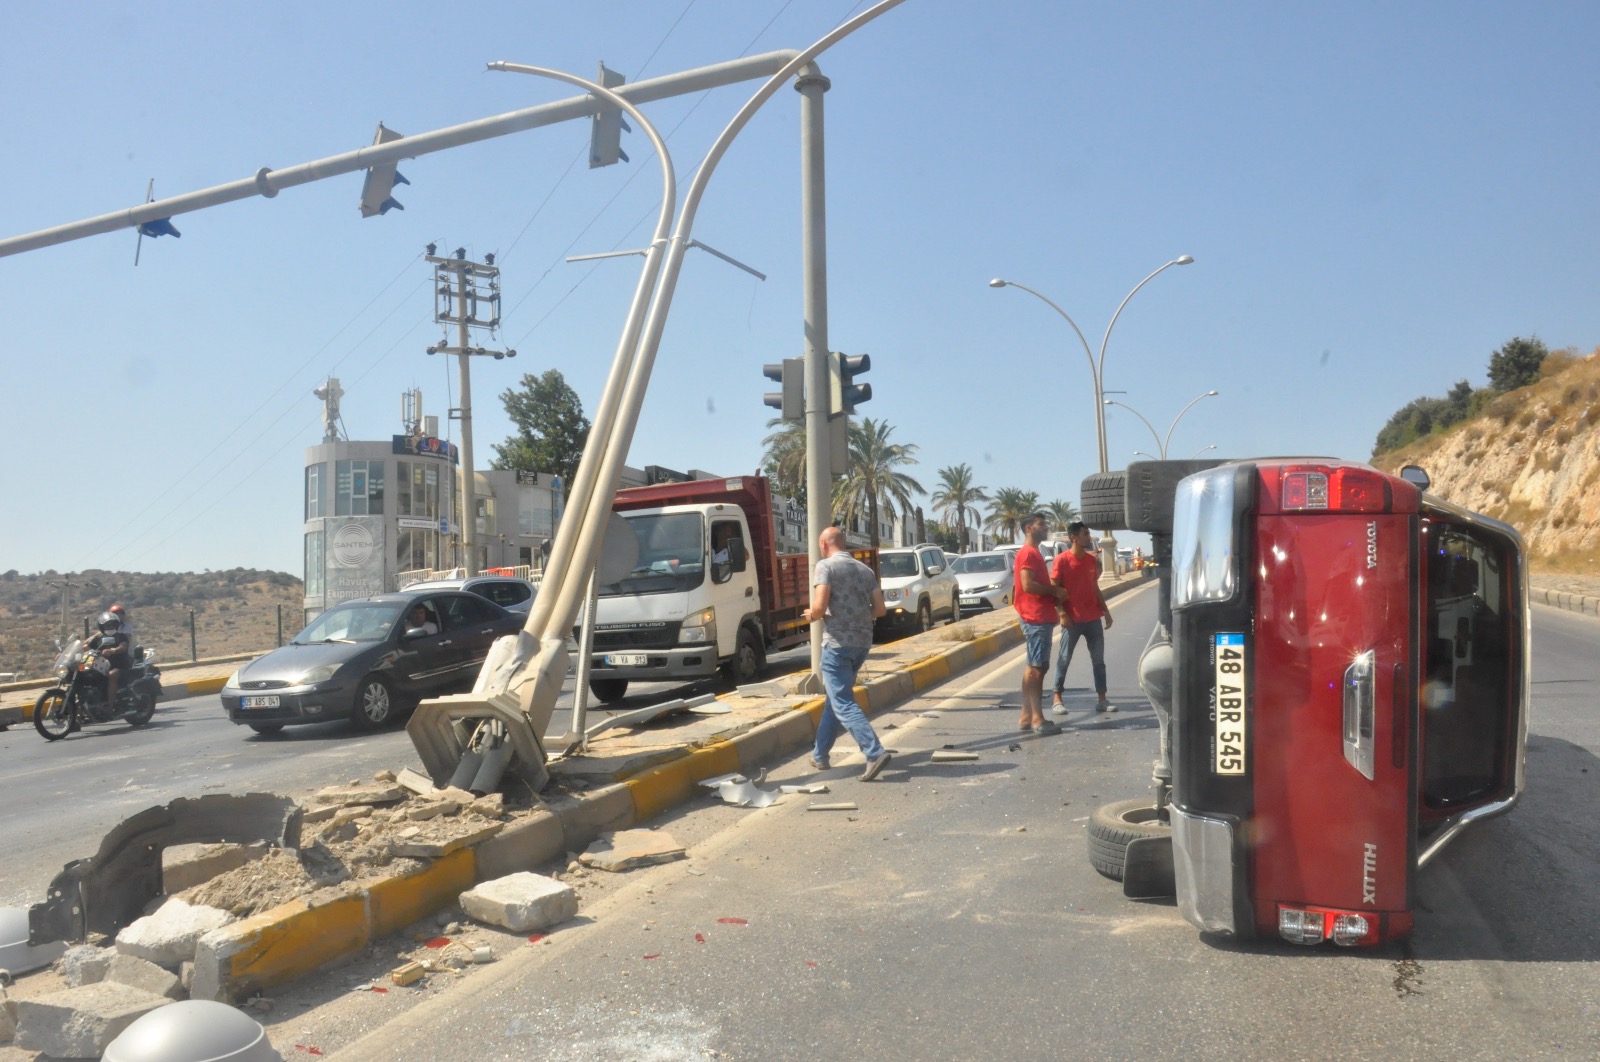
(1369, 874)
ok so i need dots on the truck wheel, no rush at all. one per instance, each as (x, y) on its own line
(608, 691)
(1100, 497)
(1112, 826)
(748, 660)
(924, 616)
(1151, 487)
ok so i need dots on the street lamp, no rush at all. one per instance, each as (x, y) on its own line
(1161, 443)
(1202, 450)
(1097, 368)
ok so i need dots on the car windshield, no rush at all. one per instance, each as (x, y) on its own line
(897, 565)
(671, 555)
(356, 621)
(979, 562)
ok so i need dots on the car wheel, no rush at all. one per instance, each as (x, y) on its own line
(924, 616)
(608, 691)
(376, 706)
(1112, 826)
(266, 729)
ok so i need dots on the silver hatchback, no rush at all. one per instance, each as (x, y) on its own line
(985, 580)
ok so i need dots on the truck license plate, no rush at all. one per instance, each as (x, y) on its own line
(264, 701)
(628, 659)
(1230, 679)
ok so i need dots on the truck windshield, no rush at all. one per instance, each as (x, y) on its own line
(671, 555)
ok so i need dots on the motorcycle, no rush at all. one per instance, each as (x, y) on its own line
(79, 695)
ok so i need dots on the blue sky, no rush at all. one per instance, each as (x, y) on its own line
(1376, 196)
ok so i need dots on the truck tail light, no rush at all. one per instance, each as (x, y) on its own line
(1313, 925)
(1319, 487)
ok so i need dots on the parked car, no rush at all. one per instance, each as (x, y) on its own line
(511, 594)
(918, 586)
(363, 661)
(985, 580)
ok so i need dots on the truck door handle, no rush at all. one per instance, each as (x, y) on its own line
(749, 591)
(447, 641)
(1358, 714)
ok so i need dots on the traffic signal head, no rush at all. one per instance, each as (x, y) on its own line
(605, 134)
(159, 227)
(844, 393)
(790, 375)
(377, 190)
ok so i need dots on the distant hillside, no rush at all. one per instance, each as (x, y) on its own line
(235, 611)
(1531, 459)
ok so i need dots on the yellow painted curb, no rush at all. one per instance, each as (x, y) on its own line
(930, 672)
(276, 946)
(396, 902)
(674, 783)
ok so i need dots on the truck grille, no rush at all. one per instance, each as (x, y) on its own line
(662, 636)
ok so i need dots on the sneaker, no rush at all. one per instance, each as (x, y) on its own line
(874, 767)
(1058, 708)
(1104, 706)
(1047, 727)
(820, 765)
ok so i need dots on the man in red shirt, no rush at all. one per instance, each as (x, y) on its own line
(1037, 601)
(1077, 573)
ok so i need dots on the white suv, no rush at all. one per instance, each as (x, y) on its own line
(918, 586)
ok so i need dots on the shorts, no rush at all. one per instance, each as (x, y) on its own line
(1038, 637)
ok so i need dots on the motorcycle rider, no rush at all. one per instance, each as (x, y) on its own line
(122, 614)
(115, 648)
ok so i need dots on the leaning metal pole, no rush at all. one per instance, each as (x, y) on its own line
(814, 270)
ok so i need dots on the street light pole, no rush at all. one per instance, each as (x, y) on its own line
(1108, 543)
(1161, 444)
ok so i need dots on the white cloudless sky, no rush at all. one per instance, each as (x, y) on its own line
(1376, 197)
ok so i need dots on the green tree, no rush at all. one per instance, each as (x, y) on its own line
(1061, 513)
(551, 427)
(1008, 508)
(784, 458)
(1516, 364)
(874, 481)
(956, 499)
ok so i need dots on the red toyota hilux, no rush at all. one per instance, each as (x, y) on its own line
(1340, 670)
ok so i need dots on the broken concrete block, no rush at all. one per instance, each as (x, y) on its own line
(81, 1022)
(423, 810)
(344, 831)
(351, 814)
(359, 793)
(416, 781)
(183, 866)
(627, 849)
(84, 964)
(167, 938)
(142, 974)
(423, 849)
(521, 902)
(384, 775)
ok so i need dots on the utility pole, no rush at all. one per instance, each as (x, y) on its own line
(467, 295)
(66, 584)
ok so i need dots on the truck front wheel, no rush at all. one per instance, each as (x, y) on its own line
(748, 660)
(1112, 826)
(608, 691)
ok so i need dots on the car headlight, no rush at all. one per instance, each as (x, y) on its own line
(317, 674)
(986, 589)
(891, 595)
(233, 680)
(699, 628)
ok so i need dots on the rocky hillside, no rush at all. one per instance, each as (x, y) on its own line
(1533, 460)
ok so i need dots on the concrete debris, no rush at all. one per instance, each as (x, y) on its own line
(84, 964)
(432, 808)
(81, 1022)
(419, 846)
(168, 937)
(952, 756)
(522, 902)
(410, 973)
(627, 849)
(843, 805)
(488, 806)
(144, 975)
(416, 781)
(383, 775)
(358, 793)
(183, 866)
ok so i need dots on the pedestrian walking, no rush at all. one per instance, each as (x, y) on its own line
(846, 598)
(1077, 572)
(1036, 599)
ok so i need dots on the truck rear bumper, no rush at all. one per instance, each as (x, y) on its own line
(660, 666)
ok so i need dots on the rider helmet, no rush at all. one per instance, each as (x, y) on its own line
(108, 621)
(118, 609)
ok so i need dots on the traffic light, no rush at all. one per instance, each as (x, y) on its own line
(790, 376)
(377, 191)
(844, 394)
(159, 227)
(605, 132)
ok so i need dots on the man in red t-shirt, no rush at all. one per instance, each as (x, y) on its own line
(1077, 572)
(1037, 601)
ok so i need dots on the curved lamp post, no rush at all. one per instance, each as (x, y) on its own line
(1097, 368)
(1162, 443)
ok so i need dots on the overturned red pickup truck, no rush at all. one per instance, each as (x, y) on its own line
(1340, 671)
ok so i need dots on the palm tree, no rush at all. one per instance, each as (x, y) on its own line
(784, 459)
(956, 498)
(1008, 508)
(873, 481)
(1062, 513)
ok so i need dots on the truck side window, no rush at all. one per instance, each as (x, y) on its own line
(727, 550)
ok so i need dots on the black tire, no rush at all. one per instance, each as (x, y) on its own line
(1150, 489)
(1100, 499)
(924, 616)
(144, 713)
(1112, 826)
(266, 729)
(52, 718)
(748, 661)
(376, 705)
(608, 691)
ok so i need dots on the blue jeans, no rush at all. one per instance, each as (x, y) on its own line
(1094, 633)
(839, 667)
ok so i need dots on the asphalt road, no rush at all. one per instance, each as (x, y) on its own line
(954, 915)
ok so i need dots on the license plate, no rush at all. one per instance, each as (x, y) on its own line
(1230, 677)
(628, 659)
(264, 701)
(971, 600)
